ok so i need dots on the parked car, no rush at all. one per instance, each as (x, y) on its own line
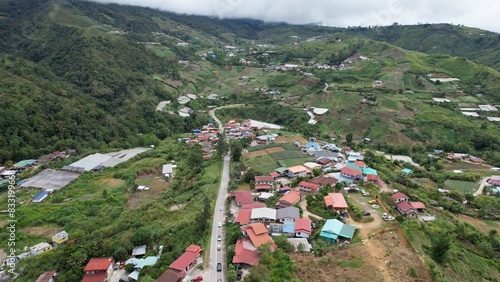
(372, 202)
(197, 279)
(313, 225)
(384, 215)
(375, 206)
(367, 213)
(389, 218)
(219, 238)
(219, 267)
(122, 264)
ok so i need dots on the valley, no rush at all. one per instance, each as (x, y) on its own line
(237, 120)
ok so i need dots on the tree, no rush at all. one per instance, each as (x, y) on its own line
(348, 138)
(440, 245)
(316, 172)
(236, 148)
(221, 146)
(282, 242)
(231, 273)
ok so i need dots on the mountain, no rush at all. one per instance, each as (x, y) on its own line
(78, 74)
(475, 44)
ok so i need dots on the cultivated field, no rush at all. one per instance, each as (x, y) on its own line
(461, 186)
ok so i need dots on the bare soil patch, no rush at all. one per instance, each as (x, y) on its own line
(112, 182)
(274, 150)
(465, 166)
(255, 154)
(246, 71)
(479, 224)
(157, 186)
(381, 258)
(308, 82)
(291, 139)
(43, 232)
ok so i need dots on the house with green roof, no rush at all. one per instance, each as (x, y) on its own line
(407, 171)
(335, 229)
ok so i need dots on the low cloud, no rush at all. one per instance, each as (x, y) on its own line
(479, 13)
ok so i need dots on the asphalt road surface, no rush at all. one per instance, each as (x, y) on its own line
(218, 256)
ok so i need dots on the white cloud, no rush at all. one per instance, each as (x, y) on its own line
(478, 13)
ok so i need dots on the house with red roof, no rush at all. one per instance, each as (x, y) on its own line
(351, 173)
(324, 161)
(275, 174)
(289, 199)
(242, 197)
(257, 233)
(336, 201)
(243, 217)
(302, 227)
(308, 187)
(242, 255)
(495, 180)
(254, 205)
(169, 275)
(98, 269)
(373, 178)
(47, 276)
(297, 171)
(264, 182)
(324, 181)
(400, 197)
(186, 261)
(360, 164)
(406, 209)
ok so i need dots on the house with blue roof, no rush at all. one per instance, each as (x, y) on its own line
(313, 145)
(139, 264)
(39, 197)
(289, 228)
(335, 229)
(368, 171)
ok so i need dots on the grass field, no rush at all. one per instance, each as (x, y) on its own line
(292, 162)
(285, 155)
(461, 186)
(262, 164)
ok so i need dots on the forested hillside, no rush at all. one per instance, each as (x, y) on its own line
(78, 74)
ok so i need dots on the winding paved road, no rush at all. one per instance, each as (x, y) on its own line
(211, 273)
(481, 187)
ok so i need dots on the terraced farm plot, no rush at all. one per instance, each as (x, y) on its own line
(293, 162)
(288, 154)
(461, 186)
(275, 150)
(255, 154)
(263, 164)
(262, 147)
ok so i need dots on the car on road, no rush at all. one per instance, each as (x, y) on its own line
(219, 238)
(218, 247)
(220, 209)
(219, 267)
(197, 279)
(220, 224)
(367, 213)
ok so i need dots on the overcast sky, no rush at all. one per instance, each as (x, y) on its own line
(477, 13)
